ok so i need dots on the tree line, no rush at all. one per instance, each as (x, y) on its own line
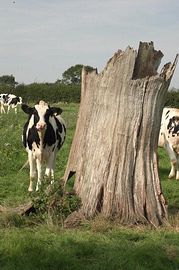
(66, 89)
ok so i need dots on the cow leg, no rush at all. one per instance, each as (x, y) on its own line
(49, 172)
(173, 159)
(177, 168)
(8, 108)
(32, 171)
(39, 173)
(2, 109)
(173, 169)
(15, 108)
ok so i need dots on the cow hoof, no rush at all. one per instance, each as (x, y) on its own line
(171, 176)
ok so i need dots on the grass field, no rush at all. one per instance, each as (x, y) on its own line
(27, 243)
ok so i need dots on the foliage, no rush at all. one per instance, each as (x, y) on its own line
(73, 75)
(172, 99)
(53, 204)
(51, 92)
(8, 80)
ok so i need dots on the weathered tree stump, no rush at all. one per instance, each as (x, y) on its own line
(114, 150)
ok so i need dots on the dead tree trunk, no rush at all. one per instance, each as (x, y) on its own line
(114, 150)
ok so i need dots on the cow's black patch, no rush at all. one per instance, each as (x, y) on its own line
(173, 126)
(59, 139)
(176, 129)
(167, 114)
(59, 125)
(5, 97)
(60, 129)
(169, 124)
(24, 139)
(33, 137)
(14, 101)
(36, 116)
(49, 137)
(24, 135)
(64, 128)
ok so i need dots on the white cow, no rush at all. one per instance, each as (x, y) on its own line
(43, 135)
(169, 138)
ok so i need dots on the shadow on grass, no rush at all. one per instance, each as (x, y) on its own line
(76, 250)
(173, 210)
(163, 173)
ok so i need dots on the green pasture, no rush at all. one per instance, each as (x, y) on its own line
(31, 243)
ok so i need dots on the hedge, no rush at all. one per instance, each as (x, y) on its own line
(50, 92)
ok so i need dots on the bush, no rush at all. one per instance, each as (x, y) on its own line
(53, 204)
(172, 99)
(50, 92)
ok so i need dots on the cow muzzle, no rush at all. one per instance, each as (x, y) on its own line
(41, 126)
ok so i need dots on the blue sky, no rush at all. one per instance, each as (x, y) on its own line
(40, 39)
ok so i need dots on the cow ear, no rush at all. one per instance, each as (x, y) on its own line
(56, 111)
(26, 109)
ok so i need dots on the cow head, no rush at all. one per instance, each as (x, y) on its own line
(39, 115)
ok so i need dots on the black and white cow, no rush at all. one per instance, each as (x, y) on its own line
(169, 138)
(43, 135)
(9, 101)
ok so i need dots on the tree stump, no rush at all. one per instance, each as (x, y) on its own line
(114, 149)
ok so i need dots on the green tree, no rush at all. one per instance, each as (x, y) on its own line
(73, 75)
(8, 80)
(172, 99)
